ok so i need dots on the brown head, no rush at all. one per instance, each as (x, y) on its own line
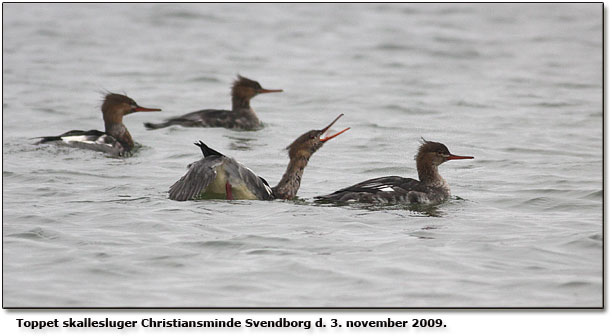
(299, 154)
(246, 89)
(435, 153)
(309, 142)
(116, 105)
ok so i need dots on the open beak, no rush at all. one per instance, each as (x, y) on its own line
(145, 109)
(268, 91)
(458, 157)
(333, 135)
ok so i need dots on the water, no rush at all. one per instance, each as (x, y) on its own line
(518, 86)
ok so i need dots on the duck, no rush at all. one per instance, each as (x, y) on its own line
(430, 188)
(115, 140)
(241, 116)
(217, 176)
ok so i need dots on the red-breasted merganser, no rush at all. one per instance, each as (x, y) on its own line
(241, 116)
(431, 187)
(115, 140)
(219, 176)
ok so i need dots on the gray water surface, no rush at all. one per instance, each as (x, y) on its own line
(518, 86)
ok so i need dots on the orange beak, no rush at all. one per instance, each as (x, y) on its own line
(268, 91)
(458, 157)
(333, 135)
(145, 109)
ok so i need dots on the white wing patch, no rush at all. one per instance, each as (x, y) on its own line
(379, 187)
(268, 189)
(87, 139)
(77, 138)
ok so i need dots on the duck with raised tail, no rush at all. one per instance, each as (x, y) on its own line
(241, 116)
(430, 188)
(116, 139)
(219, 176)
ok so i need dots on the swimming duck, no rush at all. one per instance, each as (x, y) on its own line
(429, 188)
(241, 116)
(116, 139)
(219, 176)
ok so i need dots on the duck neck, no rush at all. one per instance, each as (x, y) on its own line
(117, 130)
(241, 103)
(428, 174)
(289, 184)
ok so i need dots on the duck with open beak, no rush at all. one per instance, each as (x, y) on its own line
(219, 176)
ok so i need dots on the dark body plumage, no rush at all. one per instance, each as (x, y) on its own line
(430, 188)
(116, 139)
(219, 176)
(387, 189)
(241, 115)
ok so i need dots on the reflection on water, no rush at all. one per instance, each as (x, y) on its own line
(424, 232)
(414, 210)
(241, 143)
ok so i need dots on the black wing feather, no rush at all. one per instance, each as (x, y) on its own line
(370, 190)
(207, 151)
